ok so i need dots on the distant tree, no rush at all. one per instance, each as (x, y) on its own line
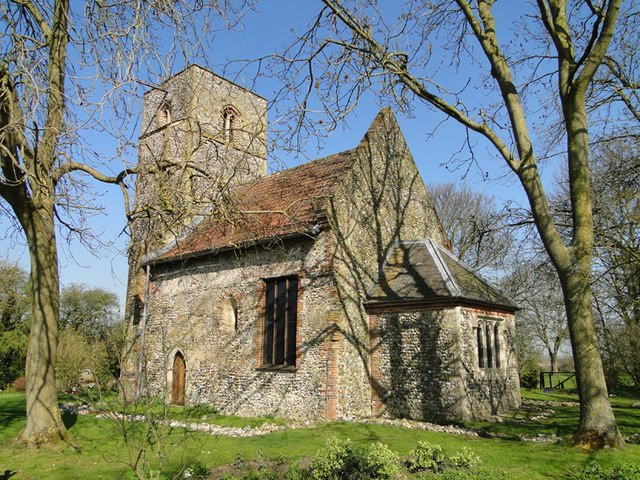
(78, 356)
(14, 322)
(90, 311)
(479, 231)
(615, 178)
(616, 181)
(14, 297)
(616, 185)
(95, 317)
(543, 310)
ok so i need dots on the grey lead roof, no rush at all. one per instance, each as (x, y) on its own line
(422, 271)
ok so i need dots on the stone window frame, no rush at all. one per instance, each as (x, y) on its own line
(229, 314)
(489, 350)
(163, 114)
(230, 122)
(261, 325)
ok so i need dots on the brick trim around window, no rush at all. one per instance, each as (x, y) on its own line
(277, 332)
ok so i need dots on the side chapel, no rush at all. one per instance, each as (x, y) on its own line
(326, 290)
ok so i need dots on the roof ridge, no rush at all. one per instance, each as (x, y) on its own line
(443, 269)
(471, 271)
(311, 162)
(188, 68)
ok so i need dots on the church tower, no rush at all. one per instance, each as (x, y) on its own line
(201, 136)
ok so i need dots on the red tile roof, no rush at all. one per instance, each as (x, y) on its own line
(279, 205)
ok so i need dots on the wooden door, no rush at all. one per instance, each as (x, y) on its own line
(177, 383)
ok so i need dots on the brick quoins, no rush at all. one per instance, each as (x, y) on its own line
(374, 363)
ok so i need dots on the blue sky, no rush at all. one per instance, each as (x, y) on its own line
(264, 32)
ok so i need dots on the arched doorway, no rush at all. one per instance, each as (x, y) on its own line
(178, 379)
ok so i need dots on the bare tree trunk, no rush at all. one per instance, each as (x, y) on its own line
(597, 422)
(44, 423)
(36, 214)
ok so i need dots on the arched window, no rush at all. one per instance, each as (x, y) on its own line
(479, 335)
(496, 340)
(163, 116)
(230, 314)
(489, 347)
(230, 119)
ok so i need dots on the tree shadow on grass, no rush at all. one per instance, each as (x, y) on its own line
(563, 422)
(12, 411)
(7, 474)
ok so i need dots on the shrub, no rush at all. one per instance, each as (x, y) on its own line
(381, 462)
(260, 474)
(529, 379)
(429, 458)
(464, 458)
(200, 410)
(296, 472)
(426, 457)
(13, 355)
(331, 462)
(196, 471)
(340, 460)
(20, 384)
(78, 357)
(593, 471)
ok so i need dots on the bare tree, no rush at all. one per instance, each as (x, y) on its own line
(70, 70)
(425, 56)
(616, 180)
(615, 95)
(543, 309)
(480, 233)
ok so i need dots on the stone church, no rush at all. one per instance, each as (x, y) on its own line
(326, 290)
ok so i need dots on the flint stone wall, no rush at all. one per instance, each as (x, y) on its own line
(489, 391)
(186, 314)
(424, 365)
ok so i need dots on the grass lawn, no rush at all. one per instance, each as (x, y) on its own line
(564, 420)
(96, 449)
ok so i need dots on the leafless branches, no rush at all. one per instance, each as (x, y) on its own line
(71, 73)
